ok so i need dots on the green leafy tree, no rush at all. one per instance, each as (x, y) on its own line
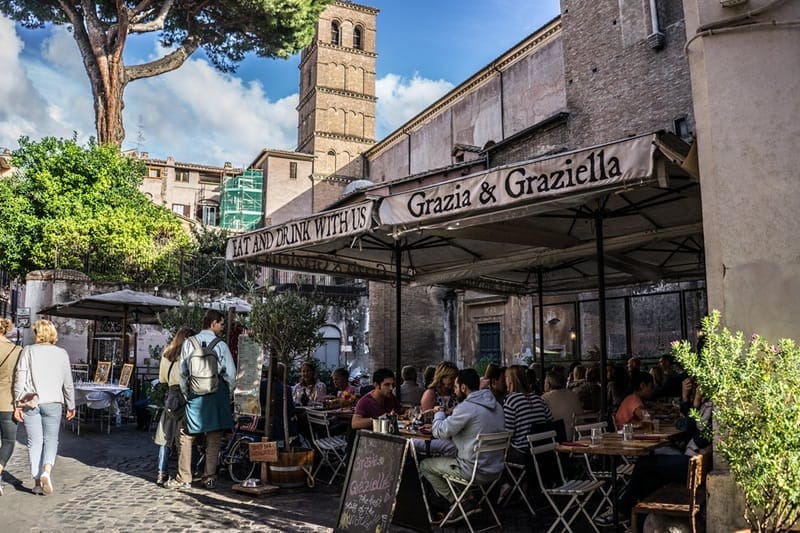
(286, 326)
(71, 207)
(226, 30)
(755, 389)
(188, 315)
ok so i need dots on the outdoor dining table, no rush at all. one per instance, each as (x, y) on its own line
(98, 396)
(614, 446)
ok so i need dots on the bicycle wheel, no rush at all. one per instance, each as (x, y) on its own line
(240, 467)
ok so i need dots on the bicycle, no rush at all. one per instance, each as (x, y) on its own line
(234, 454)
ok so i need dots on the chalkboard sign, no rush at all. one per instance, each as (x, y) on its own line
(382, 477)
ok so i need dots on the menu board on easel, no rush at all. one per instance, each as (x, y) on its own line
(382, 486)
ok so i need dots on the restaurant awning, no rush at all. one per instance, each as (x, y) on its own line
(494, 229)
(620, 213)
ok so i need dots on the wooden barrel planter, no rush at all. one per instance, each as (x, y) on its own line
(293, 469)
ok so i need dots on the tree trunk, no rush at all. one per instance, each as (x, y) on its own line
(286, 435)
(101, 45)
(108, 105)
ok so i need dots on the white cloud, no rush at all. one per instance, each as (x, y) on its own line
(23, 109)
(195, 114)
(400, 99)
(200, 115)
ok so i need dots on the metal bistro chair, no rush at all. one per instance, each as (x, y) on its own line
(577, 492)
(460, 487)
(332, 449)
(624, 471)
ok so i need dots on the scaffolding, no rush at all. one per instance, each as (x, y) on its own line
(241, 201)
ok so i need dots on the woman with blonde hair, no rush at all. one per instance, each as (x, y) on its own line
(42, 387)
(441, 391)
(9, 353)
(169, 422)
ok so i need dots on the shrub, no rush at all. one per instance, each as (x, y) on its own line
(755, 389)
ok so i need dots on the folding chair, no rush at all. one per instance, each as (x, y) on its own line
(624, 471)
(578, 492)
(516, 474)
(332, 449)
(486, 443)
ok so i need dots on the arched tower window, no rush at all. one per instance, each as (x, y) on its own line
(336, 33)
(357, 38)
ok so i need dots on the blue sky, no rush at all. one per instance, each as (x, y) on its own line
(197, 114)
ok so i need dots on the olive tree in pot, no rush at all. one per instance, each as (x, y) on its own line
(287, 327)
(755, 389)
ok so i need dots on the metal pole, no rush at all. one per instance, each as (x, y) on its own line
(539, 277)
(601, 290)
(398, 295)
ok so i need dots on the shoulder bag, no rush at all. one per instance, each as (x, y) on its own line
(174, 400)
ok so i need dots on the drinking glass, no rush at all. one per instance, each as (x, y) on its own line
(627, 432)
(597, 436)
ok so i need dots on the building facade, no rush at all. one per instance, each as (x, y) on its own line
(601, 71)
(189, 190)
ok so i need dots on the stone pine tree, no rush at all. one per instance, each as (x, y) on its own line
(286, 325)
(226, 30)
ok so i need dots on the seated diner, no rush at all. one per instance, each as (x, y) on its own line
(378, 402)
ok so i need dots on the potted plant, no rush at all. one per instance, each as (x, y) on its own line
(755, 389)
(287, 327)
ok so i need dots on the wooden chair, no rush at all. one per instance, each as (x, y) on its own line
(678, 500)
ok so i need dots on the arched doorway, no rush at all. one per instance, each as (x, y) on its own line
(328, 352)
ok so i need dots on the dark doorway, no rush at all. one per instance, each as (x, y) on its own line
(490, 341)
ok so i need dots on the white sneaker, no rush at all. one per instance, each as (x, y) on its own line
(47, 483)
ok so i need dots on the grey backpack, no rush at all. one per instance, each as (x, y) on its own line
(203, 367)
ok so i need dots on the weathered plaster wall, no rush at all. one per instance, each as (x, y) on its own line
(746, 87)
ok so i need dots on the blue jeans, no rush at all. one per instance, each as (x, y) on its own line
(163, 459)
(8, 434)
(42, 426)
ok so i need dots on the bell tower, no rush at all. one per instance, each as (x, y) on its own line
(336, 111)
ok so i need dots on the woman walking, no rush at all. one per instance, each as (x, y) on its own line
(170, 421)
(9, 353)
(43, 385)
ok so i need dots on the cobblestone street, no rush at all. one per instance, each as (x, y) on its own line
(107, 483)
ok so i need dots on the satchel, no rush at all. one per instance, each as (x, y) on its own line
(175, 400)
(29, 400)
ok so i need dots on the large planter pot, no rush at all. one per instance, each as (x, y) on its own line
(293, 469)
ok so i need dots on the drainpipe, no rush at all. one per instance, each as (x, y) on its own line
(656, 38)
(409, 150)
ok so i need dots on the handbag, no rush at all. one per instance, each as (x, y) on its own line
(29, 400)
(174, 400)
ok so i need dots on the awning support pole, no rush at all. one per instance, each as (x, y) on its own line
(539, 278)
(398, 265)
(601, 293)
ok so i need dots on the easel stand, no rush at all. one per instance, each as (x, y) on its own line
(382, 486)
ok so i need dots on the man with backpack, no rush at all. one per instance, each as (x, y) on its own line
(208, 379)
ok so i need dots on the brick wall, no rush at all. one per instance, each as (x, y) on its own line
(617, 85)
(423, 317)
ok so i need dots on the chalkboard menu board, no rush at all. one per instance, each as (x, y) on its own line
(382, 472)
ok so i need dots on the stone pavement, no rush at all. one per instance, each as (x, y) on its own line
(106, 483)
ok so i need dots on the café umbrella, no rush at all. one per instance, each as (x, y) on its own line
(125, 306)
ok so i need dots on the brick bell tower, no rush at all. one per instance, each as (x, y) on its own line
(336, 112)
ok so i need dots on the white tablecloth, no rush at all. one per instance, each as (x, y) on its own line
(97, 395)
